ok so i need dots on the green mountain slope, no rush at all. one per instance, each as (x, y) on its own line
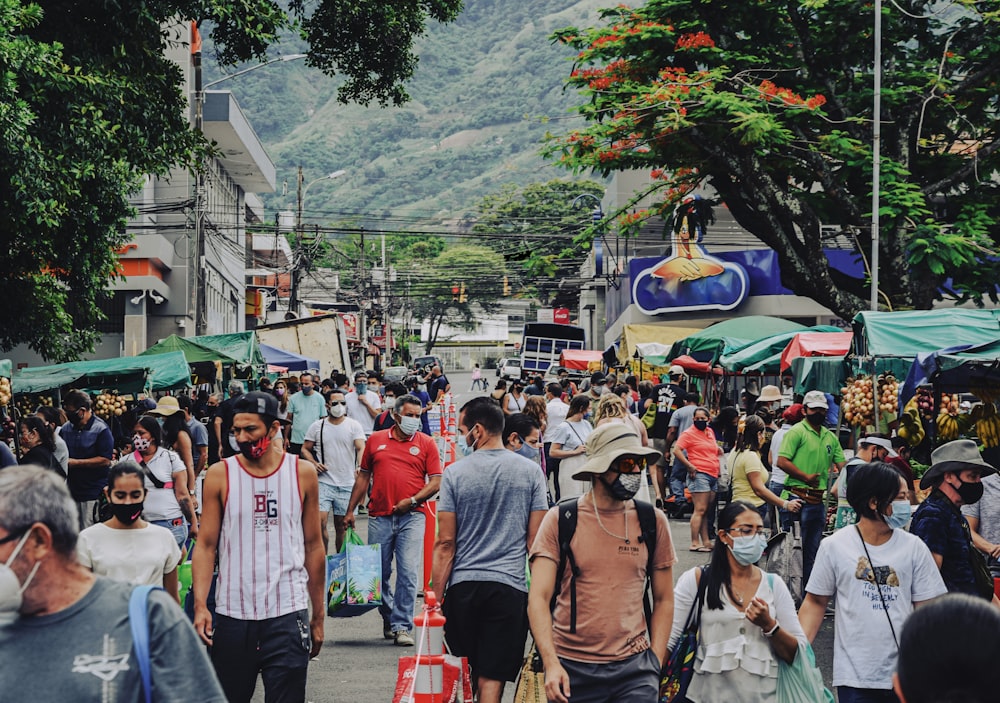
(487, 88)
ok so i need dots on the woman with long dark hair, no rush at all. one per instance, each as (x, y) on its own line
(38, 441)
(749, 479)
(176, 436)
(879, 573)
(748, 621)
(569, 442)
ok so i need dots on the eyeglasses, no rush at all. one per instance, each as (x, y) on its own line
(338, 402)
(630, 465)
(746, 531)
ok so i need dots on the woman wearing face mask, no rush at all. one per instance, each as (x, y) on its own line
(514, 401)
(748, 619)
(698, 451)
(749, 479)
(168, 503)
(38, 444)
(281, 393)
(537, 409)
(569, 446)
(879, 574)
(127, 548)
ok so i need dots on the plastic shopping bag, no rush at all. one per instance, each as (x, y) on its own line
(353, 578)
(801, 681)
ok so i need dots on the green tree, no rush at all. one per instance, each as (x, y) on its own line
(456, 285)
(772, 104)
(534, 228)
(90, 104)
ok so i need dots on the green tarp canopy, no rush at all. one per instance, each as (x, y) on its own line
(236, 348)
(129, 374)
(5, 368)
(711, 343)
(764, 355)
(819, 373)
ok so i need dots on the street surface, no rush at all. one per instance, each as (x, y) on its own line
(356, 665)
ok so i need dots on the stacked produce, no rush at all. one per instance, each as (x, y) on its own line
(26, 404)
(985, 415)
(911, 427)
(5, 393)
(858, 401)
(925, 403)
(107, 405)
(948, 427)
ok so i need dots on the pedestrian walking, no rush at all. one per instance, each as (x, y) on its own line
(91, 446)
(304, 408)
(569, 446)
(168, 503)
(697, 450)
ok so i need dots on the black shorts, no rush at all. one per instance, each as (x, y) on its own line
(488, 623)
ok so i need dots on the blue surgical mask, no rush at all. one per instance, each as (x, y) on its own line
(409, 425)
(901, 510)
(748, 550)
(527, 451)
(463, 446)
(361, 388)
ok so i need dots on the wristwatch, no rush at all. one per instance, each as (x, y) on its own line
(414, 502)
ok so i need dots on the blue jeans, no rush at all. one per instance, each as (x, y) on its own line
(402, 537)
(785, 517)
(180, 532)
(813, 519)
(847, 694)
(678, 479)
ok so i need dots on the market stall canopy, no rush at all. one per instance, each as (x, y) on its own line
(6, 367)
(816, 344)
(238, 348)
(289, 360)
(694, 367)
(922, 331)
(581, 359)
(819, 373)
(654, 353)
(954, 370)
(633, 335)
(129, 374)
(764, 355)
(726, 337)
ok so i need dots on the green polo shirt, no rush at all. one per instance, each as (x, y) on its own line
(811, 451)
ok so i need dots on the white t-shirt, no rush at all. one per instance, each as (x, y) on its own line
(334, 448)
(357, 411)
(555, 411)
(139, 557)
(161, 503)
(864, 652)
(777, 475)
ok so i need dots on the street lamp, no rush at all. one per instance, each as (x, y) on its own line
(293, 296)
(289, 57)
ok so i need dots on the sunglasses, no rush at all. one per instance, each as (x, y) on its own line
(630, 465)
(16, 534)
(338, 402)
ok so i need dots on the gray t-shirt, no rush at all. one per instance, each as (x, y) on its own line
(84, 653)
(199, 434)
(492, 493)
(683, 418)
(987, 510)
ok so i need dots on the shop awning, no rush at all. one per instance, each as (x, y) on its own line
(238, 348)
(129, 374)
(954, 369)
(289, 360)
(909, 333)
(694, 367)
(728, 336)
(6, 368)
(764, 355)
(580, 359)
(816, 344)
(666, 335)
(819, 373)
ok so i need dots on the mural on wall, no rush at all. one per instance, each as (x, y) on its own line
(689, 278)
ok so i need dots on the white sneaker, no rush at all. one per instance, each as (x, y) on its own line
(404, 639)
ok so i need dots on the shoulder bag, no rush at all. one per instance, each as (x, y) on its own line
(678, 670)
(530, 686)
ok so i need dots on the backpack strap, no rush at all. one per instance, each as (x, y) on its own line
(138, 618)
(647, 535)
(568, 511)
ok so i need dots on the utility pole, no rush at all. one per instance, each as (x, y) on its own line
(198, 274)
(362, 302)
(385, 305)
(293, 294)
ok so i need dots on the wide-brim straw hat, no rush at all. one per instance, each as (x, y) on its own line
(607, 444)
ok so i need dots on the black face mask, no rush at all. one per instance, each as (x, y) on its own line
(970, 492)
(701, 424)
(624, 490)
(816, 419)
(127, 513)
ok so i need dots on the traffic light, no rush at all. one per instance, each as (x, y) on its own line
(454, 292)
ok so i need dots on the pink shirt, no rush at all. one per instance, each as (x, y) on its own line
(702, 450)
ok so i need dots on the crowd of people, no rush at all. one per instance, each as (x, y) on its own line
(577, 483)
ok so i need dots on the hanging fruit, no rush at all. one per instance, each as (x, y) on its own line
(5, 393)
(858, 401)
(109, 404)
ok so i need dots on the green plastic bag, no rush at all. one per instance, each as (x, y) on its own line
(801, 681)
(353, 577)
(184, 572)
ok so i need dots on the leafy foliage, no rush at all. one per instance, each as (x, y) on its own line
(772, 104)
(548, 219)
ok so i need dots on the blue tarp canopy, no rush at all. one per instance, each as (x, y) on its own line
(953, 370)
(289, 360)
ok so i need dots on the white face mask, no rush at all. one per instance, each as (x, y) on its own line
(409, 425)
(388, 403)
(337, 410)
(11, 590)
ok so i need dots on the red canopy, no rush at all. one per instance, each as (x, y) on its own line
(699, 368)
(579, 359)
(816, 344)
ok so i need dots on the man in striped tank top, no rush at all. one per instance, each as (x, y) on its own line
(261, 518)
(403, 467)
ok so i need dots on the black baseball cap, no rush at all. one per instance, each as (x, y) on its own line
(259, 403)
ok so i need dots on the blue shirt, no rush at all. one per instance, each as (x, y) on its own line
(305, 410)
(492, 493)
(944, 530)
(87, 441)
(199, 435)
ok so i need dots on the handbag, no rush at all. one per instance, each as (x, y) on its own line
(783, 557)
(530, 687)
(678, 670)
(801, 681)
(353, 578)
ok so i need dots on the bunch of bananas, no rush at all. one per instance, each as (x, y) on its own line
(987, 423)
(910, 427)
(947, 427)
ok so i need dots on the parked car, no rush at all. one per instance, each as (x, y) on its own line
(426, 362)
(394, 373)
(511, 370)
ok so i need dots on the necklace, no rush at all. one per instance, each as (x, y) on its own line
(606, 530)
(736, 596)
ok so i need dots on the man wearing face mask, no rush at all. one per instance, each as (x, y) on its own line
(384, 419)
(91, 446)
(596, 644)
(50, 603)
(955, 475)
(402, 467)
(363, 405)
(873, 447)
(807, 453)
(483, 539)
(521, 434)
(304, 408)
(335, 445)
(261, 519)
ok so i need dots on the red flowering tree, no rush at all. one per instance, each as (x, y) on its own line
(771, 103)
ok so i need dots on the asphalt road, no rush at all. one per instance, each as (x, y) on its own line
(356, 665)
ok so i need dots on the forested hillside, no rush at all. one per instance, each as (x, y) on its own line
(486, 89)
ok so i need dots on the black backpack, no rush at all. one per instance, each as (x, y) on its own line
(568, 510)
